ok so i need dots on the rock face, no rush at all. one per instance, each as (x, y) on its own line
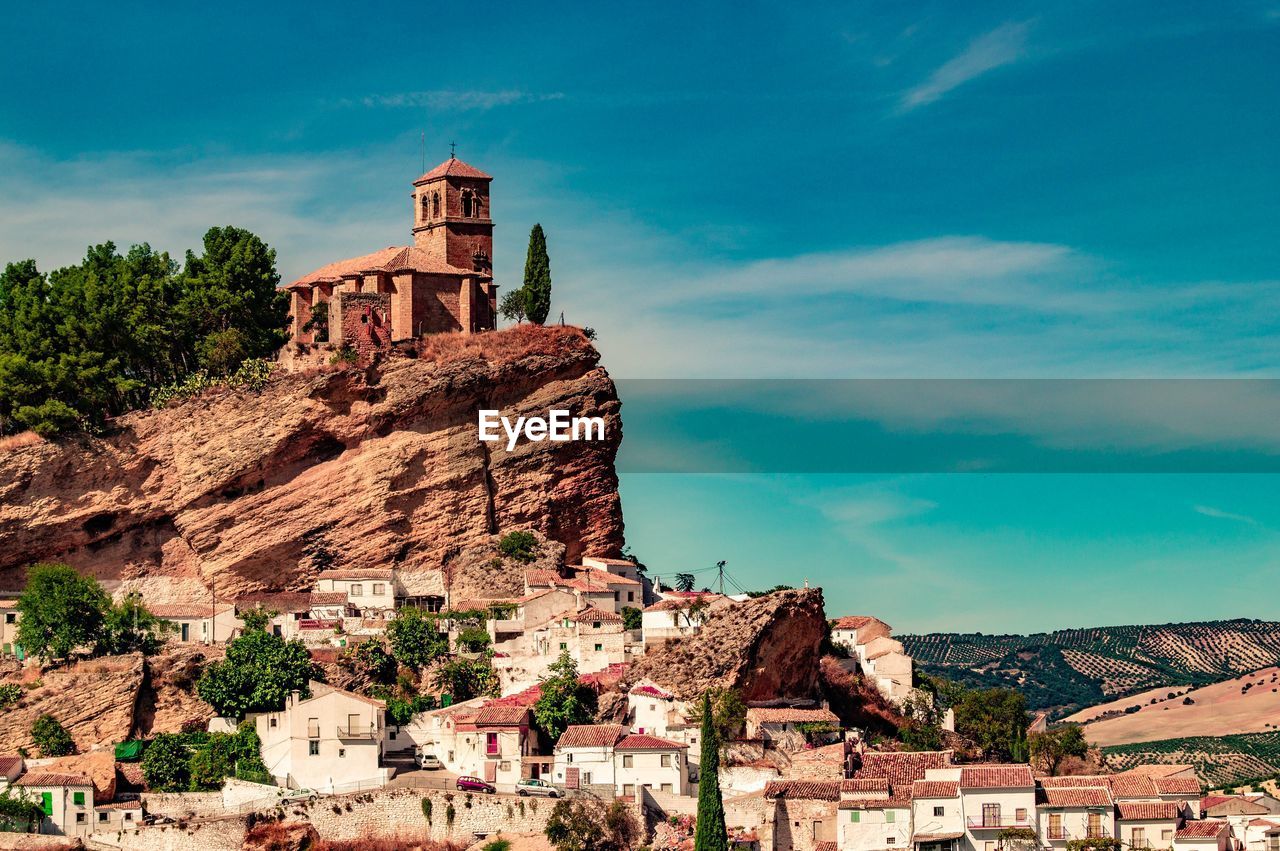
(766, 648)
(93, 700)
(328, 467)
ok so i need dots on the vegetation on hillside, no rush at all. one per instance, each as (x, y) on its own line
(64, 612)
(93, 340)
(259, 672)
(564, 700)
(1219, 760)
(1064, 671)
(532, 300)
(195, 761)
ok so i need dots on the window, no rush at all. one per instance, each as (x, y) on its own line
(988, 846)
(1094, 827)
(629, 789)
(128, 816)
(491, 746)
(890, 840)
(937, 811)
(103, 816)
(599, 648)
(666, 760)
(10, 617)
(466, 204)
(1055, 826)
(435, 203)
(379, 589)
(889, 816)
(628, 761)
(1166, 837)
(568, 757)
(990, 815)
(595, 624)
(631, 596)
(586, 778)
(1020, 814)
(1138, 837)
(313, 728)
(564, 646)
(77, 798)
(342, 753)
(46, 803)
(272, 723)
(81, 818)
(855, 817)
(357, 590)
(505, 765)
(616, 596)
(666, 787)
(313, 748)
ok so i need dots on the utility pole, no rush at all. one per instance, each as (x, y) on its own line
(720, 571)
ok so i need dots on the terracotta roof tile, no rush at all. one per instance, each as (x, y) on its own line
(591, 613)
(996, 777)
(825, 846)
(935, 789)
(895, 802)
(1148, 811)
(790, 715)
(365, 573)
(803, 790)
(187, 610)
(392, 259)
(1083, 796)
(647, 690)
(902, 768)
(9, 763)
(1130, 786)
(502, 715)
(453, 167)
(1076, 781)
(591, 736)
(864, 786)
(641, 742)
(328, 598)
(1177, 786)
(52, 778)
(541, 577)
(1206, 829)
(852, 621)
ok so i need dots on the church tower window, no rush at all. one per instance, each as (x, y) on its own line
(435, 205)
(466, 204)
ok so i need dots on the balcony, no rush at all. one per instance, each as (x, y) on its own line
(357, 731)
(997, 823)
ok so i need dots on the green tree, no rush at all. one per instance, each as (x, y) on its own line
(467, 678)
(166, 764)
(416, 640)
(318, 322)
(587, 825)
(632, 618)
(512, 306)
(520, 545)
(61, 610)
(728, 713)
(19, 813)
(564, 700)
(710, 833)
(259, 672)
(1049, 748)
(994, 719)
(922, 730)
(684, 582)
(256, 619)
(537, 277)
(473, 639)
(129, 628)
(51, 737)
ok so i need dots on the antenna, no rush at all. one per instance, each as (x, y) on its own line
(720, 569)
(424, 151)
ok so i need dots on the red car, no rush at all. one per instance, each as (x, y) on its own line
(475, 784)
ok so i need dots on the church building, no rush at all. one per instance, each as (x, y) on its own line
(443, 282)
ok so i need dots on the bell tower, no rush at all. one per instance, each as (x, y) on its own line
(451, 218)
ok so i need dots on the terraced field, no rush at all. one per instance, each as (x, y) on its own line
(1065, 671)
(1219, 760)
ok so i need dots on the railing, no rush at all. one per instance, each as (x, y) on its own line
(357, 731)
(1089, 833)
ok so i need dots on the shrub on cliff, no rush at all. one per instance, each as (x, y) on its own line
(259, 672)
(416, 640)
(519, 545)
(90, 341)
(51, 737)
(588, 825)
(467, 678)
(166, 764)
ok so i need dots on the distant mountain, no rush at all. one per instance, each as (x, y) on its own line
(1064, 671)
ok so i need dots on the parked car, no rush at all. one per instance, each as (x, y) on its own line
(308, 795)
(428, 761)
(533, 786)
(475, 784)
(156, 818)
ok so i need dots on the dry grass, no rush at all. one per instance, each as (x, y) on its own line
(503, 346)
(17, 441)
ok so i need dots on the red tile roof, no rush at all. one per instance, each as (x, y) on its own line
(651, 691)
(502, 715)
(935, 789)
(592, 614)
(790, 715)
(328, 598)
(641, 742)
(1083, 796)
(366, 573)
(1076, 781)
(803, 790)
(895, 802)
(186, 610)
(1206, 829)
(902, 768)
(1177, 785)
(1148, 811)
(119, 805)
(865, 786)
(1130, 786)
(9, 763)
(528, 697)
(541, 577)
(591, 736)
(453, 167)
(996, 777)
(392, 259)
(51, 778)
(825, 846)
(851, 621)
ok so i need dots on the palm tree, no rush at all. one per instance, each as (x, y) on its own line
(684, 581)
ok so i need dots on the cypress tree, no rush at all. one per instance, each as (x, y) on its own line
(710, 834)
(537, 278)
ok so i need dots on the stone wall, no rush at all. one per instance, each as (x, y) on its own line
(362, 321)
(184, 805)
(218, 835)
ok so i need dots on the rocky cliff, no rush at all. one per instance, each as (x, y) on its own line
(328, 467)
(766, 648)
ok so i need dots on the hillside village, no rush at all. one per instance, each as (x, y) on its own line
(365, 626)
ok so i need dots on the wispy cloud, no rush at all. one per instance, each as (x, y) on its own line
(1218, 513)
(1002, 46)
(455, 100)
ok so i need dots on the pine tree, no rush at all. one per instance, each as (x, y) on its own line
(710, 834)
(537, 278)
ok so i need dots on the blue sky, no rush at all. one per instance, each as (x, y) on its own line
(751, 191)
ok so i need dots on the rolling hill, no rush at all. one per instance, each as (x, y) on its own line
(1065, 671)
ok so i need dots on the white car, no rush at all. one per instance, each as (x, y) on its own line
(309, 795)
(533, 786)
(428, 761)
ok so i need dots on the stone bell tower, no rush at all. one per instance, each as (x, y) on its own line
(451, 216)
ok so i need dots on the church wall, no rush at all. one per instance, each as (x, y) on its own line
(435, 304)
(402, 306)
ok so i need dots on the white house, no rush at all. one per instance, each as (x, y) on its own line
(11, 767)
(653, 710)
(584, 755)
(1147, 824)
(995, 798)
(788, 724)
(1072, 813)
(65, 799)
(937, 815)
(330, 741)
(370, 590)
(608, 755)
(199, 623)
(1206, 835)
